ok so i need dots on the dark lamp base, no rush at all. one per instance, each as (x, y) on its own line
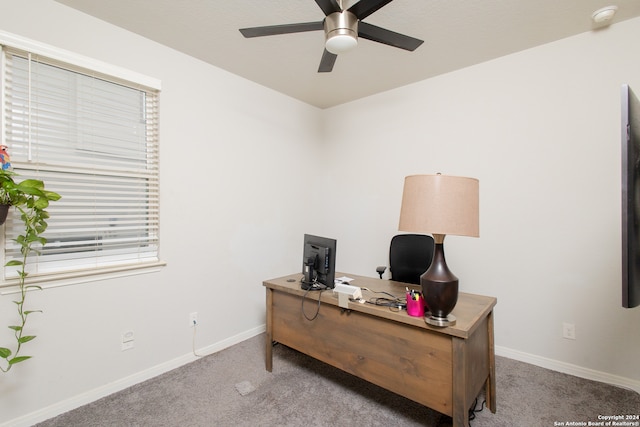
(432, 320)
(440, 289)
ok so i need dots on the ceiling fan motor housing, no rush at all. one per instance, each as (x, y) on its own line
(341, 32)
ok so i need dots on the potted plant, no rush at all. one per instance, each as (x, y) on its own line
(31, 199)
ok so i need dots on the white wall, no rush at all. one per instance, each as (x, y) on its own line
(541, 131)
(232, 214)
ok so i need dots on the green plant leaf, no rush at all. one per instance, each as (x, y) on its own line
(32, 238)
(31, 186)
(15, 328)
(18, 359)
(28, 312)
(53, 196)
(13, 262)
(41, 203)
(26, 338)
(5, 352)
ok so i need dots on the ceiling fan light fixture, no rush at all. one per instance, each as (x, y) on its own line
(341, 32)
(340, 43)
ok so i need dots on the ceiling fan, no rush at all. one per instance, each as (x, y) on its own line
(342, 27)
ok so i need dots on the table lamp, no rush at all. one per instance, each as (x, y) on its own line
(440, 205)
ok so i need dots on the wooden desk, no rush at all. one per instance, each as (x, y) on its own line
(442, 368)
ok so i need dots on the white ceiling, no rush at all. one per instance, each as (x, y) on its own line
(456, 34)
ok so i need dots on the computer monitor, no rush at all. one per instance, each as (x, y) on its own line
(318, 262)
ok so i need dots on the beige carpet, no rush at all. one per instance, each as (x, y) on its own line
(232, 388)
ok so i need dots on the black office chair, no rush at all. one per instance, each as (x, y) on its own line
(409, 256)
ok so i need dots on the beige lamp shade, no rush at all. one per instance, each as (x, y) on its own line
(440, 204)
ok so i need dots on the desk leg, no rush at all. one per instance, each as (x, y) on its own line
(459, 404)
(269, 334)
(490, 388)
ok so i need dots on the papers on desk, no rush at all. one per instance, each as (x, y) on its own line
(343, 279)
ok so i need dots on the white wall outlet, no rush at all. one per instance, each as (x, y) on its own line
(569, 331)
(128, 336)
(127, 340)
(193, 319)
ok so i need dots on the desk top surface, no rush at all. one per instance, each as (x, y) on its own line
(469, 310)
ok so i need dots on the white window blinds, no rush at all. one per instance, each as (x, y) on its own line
(94, 140)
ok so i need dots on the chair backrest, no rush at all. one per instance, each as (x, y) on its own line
(409, 256)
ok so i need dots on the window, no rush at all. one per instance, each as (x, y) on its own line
(93, 139)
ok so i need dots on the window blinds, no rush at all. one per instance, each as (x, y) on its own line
(93, 140)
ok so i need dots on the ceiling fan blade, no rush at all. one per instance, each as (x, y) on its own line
(381, 35)
(329, 6)
(364, 8)
(327, 61)
(272, 30)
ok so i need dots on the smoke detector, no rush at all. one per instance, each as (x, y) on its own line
(604, 15)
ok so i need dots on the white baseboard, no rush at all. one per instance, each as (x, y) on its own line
(100, 392)
(107, 389)
(568, 368)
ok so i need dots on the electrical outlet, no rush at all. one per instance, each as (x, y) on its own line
(569, 331)
(127, 340)
(193, 319)
(128, 336)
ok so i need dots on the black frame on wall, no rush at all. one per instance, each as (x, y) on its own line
(630, 198)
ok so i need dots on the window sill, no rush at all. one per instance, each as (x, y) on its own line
(9, 287)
